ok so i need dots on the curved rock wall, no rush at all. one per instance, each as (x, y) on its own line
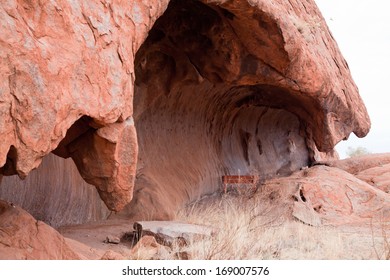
(55, 193)
(212, 99)
(219, 87)
(191, 138)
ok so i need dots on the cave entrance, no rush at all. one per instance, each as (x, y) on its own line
(207, 103)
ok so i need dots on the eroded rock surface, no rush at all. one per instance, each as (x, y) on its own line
(339, 198)
(65, 64)
(324, 195)
(220, 87)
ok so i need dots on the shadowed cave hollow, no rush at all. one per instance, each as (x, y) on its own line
(203, 107)
(211, 98)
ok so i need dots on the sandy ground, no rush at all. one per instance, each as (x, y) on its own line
(244, 236)
(89, 240)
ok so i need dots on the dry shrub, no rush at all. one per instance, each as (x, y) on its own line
(260, 227)
(380, 239)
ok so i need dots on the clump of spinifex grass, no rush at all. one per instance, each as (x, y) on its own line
(251, 228)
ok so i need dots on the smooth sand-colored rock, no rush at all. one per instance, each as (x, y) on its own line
(55, 193)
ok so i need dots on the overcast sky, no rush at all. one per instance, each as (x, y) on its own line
(362, 31)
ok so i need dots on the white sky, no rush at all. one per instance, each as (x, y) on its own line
(362, 31)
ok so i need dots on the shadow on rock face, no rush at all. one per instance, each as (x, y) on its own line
(208, 103)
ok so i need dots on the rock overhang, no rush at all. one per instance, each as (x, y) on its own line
(232, 59)
(253, 43)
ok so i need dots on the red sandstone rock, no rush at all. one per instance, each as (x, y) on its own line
(378, 176)
(23, 237)
(356, 165)
(55, 187)
(111, 255)
(219, 87)
(324, 195)
(107, 158)
(233, 88)
(62, 61)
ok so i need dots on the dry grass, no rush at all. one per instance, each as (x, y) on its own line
(247, 230)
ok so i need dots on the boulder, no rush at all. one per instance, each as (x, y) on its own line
(22, 237)
(323, 195)
(148, 248)
(112, 256)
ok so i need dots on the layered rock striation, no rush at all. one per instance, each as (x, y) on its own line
(56, 194)
(167, 96)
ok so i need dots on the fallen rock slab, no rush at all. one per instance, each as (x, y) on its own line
(169, 232)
